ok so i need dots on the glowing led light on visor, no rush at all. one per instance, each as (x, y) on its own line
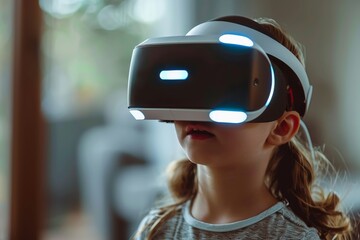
(223, 116)
(138, 115)
(272, 86)
(174, 75)
(236, 39)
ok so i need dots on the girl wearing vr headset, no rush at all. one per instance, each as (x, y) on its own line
(254, 180)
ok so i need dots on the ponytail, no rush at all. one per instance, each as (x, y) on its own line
(182, 180)
(291, 176)
(292, 169)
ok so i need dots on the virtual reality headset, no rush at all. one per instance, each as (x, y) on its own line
(228, 70)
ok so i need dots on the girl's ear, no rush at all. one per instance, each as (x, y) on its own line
(285, 128)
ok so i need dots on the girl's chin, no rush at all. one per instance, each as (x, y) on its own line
(202, 161)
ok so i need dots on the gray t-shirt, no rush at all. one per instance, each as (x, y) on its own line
(277, 222)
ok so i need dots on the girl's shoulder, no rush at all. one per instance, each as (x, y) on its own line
(153, 216)
(155, 213)
(287, 222)
(281, 224)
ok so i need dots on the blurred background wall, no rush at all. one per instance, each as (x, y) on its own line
(103, 168)
(5, 66)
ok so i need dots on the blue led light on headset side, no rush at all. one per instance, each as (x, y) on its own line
(174, 75)
(272, 86)
(236, 39)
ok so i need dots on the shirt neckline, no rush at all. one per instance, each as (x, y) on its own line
(226, 227)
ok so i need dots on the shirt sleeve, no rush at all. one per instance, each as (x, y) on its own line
(143, 228)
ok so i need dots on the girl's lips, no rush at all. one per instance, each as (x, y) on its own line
(198, 131)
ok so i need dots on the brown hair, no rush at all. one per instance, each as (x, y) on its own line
(291, 175)
(293, 169)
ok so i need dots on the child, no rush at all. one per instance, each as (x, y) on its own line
(250, 180)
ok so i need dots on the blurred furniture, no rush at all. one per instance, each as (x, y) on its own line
(119, 165)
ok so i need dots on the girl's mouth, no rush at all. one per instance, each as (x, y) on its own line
(198, 132)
